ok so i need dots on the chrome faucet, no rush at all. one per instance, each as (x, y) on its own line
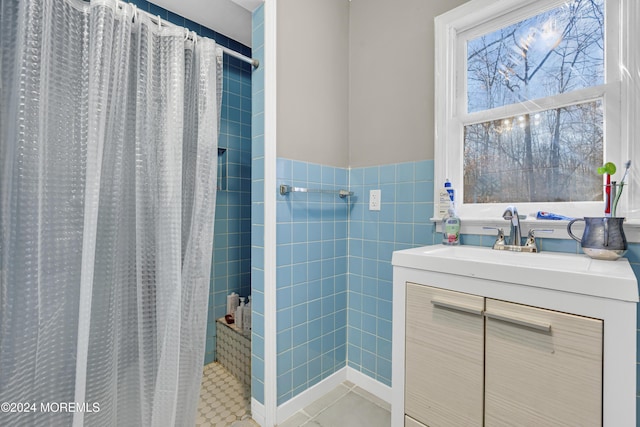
(515, 237)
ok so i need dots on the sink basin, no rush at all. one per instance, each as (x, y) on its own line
(544, 260)
(559, 271)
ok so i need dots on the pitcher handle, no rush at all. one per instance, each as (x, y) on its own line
(573, 236)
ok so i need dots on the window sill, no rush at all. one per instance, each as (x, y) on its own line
(475, 226)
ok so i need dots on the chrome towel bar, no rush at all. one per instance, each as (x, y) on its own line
(286, 189)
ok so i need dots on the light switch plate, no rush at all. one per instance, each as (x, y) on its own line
(374, 200)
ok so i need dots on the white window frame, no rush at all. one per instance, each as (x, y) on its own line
(621, 96)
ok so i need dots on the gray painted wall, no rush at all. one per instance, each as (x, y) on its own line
(313, 81)
(391, 117)
(355, 80)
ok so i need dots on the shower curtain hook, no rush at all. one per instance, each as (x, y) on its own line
(159, 23)
(134, 17)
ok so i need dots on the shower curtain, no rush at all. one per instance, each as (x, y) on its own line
(108, 127)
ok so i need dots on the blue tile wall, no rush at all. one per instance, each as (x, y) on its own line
(257, 210)
(232, 230)
(402, 222)
(311, 258)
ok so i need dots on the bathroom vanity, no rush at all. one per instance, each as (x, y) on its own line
(483, 337)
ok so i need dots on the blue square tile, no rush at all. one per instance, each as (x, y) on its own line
(257, 390)
(559, 245)
(328, 176)
(404, 192)
(299, 356)
(299, 171)
(369, 342)
(299, 253)
(315, 173)
(315, 368)
(314, 330)
(285, 362)
(387, 174)
(284, 170)
(314, 270)
(383, 368)
(283, 319)
(424, 170)
(355, 354)
(283, 298)
(299, 273)
(356, 177)
(299, 376)
(284, 383)
(315, 290)
(371, 175)
(299, 295)
(342, 177)
(314, 346)
(283, 255)
(299, 334)
(355, 322)
(327, 324)
(284, 341)
(404, 172)
(404, 233)
(328, 342)
(283, 277)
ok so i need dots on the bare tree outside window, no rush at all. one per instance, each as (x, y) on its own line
(545, 155)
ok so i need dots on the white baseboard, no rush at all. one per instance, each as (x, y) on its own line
(258, 412)
(310, 395)
(367, 383)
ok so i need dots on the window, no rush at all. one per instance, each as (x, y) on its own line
(531, 98)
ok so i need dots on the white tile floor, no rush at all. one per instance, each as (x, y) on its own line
(226, 402)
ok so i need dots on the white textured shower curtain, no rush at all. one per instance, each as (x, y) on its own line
(108, 128)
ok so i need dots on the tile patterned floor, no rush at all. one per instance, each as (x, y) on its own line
(224, 401)
(346, 406)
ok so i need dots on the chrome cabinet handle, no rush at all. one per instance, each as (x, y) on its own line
(540, 326)
(457, 307)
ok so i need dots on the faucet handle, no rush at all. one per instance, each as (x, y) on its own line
(531, 238)
(500, 237)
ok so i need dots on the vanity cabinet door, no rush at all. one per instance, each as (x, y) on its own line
(542, 367)
(444, 357)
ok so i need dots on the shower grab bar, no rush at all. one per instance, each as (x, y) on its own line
(286, 189)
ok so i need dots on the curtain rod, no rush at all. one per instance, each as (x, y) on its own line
(158, 20)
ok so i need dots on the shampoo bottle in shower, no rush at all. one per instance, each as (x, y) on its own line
(239, 314)
(233, 301)
(246, 315)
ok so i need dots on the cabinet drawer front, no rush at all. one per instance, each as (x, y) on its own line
(541, 376)
(444, 357)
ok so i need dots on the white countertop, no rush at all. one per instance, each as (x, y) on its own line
(548, 270)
